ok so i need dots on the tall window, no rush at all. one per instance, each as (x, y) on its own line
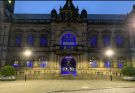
(93, 41)
(30, 40)
(29, 63)
(119, 40)
(93, 62)
(68, 40)
(106, 40)
(107, 63)
(43, 62)
(16, 62)
(18, 39)
(120, 62)
(43, 41)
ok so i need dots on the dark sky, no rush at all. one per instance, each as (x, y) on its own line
(92, 7)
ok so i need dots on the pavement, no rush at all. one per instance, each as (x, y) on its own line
(67, 86)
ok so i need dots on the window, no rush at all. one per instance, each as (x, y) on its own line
(18, 40)
(68, 40)
(30, 40)
(119, 40)
(43, 41)
(120, 62)
(106, 40)
(107, 63)
(93, 41)
(43, 62)
(29, 64)
(16, 62)
(93, 62)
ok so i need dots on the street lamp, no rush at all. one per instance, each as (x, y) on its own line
(110, 53)
(27, 53)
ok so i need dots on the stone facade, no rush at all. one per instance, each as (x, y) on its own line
(67, 43)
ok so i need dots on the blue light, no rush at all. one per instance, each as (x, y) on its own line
(42, 64)
(43, 41)
(31, 40)
(119, 40)
(106, 39)
(68, 40)
(120, 65)
(16, 64)
(68, 66)
(107, 64)
(29, 64)
(18, 40)
(93, 41)
(94, 64)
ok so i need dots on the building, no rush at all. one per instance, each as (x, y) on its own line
(66, 43)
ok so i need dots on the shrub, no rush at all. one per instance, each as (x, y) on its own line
(128, 71)
(8, 71)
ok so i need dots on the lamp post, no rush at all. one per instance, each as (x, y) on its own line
(27, 53)
(110, 53)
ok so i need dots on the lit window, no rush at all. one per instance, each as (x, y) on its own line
(93, 62)
(120, 62)
(68, 40)
(43, 62)
(107, 63)
(106, 40)
(31, 40)
(93, 41)
(43, 41)
(18, 40)
(16, 62)
(119, 40)
(29, 64)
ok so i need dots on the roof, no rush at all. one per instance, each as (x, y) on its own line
(32, 16)
(91, 17)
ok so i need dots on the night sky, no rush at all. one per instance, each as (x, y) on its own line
(92, 7)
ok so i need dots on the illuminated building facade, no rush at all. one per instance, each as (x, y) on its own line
(66, 43)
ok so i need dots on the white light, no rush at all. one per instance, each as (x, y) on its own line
(109, 52)
(27, 53)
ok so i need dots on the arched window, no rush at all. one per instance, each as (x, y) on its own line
(16, 62)
(106, 40)
(43, 62)
(93, 41)
(30, 40)
(119, 40)
(18, 39)
(29, 63)
(68, 40)
(107, 63)
(93, 62)
(120, 61)
(43, 41)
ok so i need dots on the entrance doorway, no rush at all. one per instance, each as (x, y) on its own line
(68, 66)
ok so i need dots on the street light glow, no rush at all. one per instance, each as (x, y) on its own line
(109, 53)
(27, 53)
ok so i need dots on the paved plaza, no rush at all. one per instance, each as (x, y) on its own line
(67, 86)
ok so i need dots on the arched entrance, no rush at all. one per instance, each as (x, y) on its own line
(68, 66)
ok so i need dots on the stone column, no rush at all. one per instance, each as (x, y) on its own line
(100, 40)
